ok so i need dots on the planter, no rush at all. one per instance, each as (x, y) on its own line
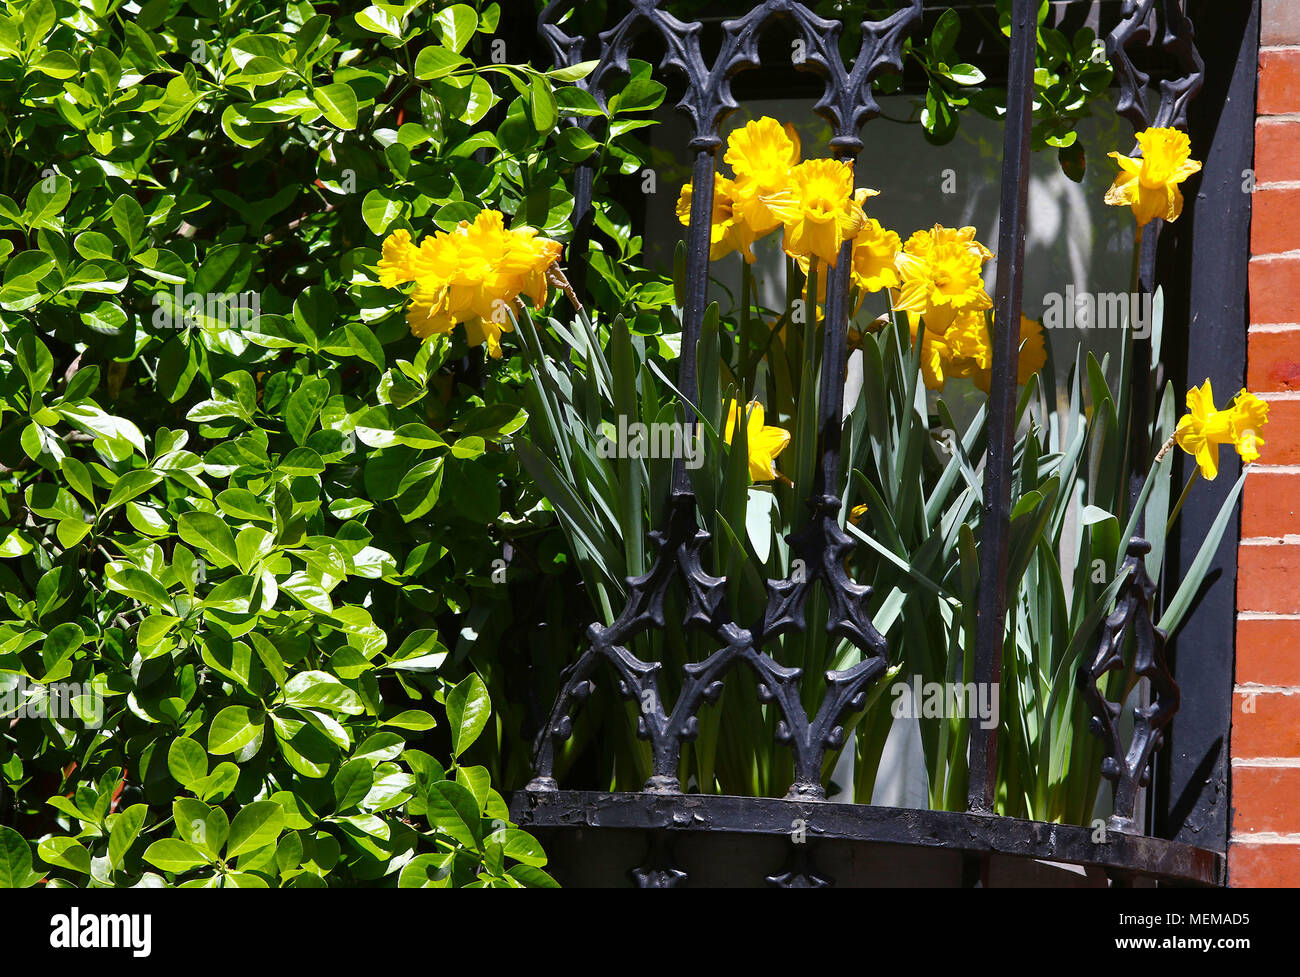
(648, 840)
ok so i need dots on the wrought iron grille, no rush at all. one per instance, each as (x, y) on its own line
(847, 103)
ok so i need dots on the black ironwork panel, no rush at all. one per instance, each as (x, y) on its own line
(847, 103)
(1165, 26)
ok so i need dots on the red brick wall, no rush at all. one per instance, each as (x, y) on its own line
(1265, 848)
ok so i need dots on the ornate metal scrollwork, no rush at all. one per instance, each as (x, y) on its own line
(1139, 28)
(847, 103)
(799, 873)
(660, 870)
(1130, 769)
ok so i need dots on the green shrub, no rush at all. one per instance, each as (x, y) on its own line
(245, 545)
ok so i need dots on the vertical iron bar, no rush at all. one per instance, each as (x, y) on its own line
(1140, 416)
(697, 290)
(830, 409)
(992, 597)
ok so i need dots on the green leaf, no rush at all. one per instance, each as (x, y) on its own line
(352, 783)
(437, 62)
(379, 210)
(454, 811)
(60, 644)
(209, 533)
(542, 105)
(129, 486)
(468, 709)
(187, 762)
(457, 23)
(379, 20)
(15, 860)
(232, 729)
(65, 853)
(366, 345)
(339, 103)
(175, 856)
(126, 828)
(128, 218)
(1191, 584)
(259, 824)
(320, 690)
(202, 826)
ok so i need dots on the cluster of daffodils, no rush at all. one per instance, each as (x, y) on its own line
(472, 275)
(941, 288)
(936, 277)
(813, 201)
(1205, 428)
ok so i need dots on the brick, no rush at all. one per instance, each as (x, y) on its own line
(1265, 724)
(1272, 499)
(1279, 22)
(1279, 81)
(1273, 362)
(1275, 289)
(1268, 578)
(1275, 220)
(1263, 866)
(1281, 435)
(1277, 159)
(1268, 653)
(1266, 799)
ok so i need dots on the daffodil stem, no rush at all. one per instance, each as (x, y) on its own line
(1178, 507)
(746, 297)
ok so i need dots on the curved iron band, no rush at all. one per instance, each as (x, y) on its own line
(1121, 855)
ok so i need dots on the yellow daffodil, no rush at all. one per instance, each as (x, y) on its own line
(960, 351)
(1201, 431)
(471, 275)
(764, 442)
(1249, 414)
(1149, 183)
(874, 251)
(820, 209)
(761, 154)
(934, 355)
(396, 266)
(728, 232)
(942, 267)
(858, 513)
(1033, 354)
(923, 243)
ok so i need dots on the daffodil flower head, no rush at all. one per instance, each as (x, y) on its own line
(1032, 358)
(874, 252)
(472, 275)
(1249, 414)
(761, 154)
(764, 442)
(396, 267)
(942, 267)
(728, 231)
(1204, 428)
(1149, 183)
(820, 209)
